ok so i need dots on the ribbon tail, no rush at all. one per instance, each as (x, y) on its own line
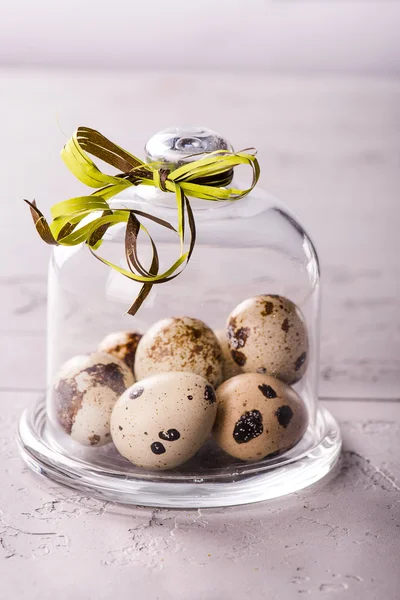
(41, 224)
(141, 297)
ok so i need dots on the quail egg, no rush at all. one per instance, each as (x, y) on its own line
(179, 344)
(84, 393)
(122, 344)
(268, 335)
(258, 416)
(162, 420)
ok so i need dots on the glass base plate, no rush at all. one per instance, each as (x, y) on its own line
(210, 479)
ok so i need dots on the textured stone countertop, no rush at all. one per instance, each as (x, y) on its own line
(330, 149)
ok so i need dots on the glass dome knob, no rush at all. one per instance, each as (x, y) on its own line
(179, 145)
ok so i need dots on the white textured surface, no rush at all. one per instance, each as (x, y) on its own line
(339, 538)
(330, 149)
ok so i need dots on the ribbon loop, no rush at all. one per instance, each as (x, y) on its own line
(86, 219)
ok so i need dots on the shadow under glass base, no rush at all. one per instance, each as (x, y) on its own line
(210, 479)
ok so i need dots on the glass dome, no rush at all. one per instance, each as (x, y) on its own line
(250, 250)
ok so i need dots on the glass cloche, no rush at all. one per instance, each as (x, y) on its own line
(206, 392)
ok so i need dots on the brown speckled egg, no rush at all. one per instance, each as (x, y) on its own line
(161, 421)
(268, 334)
(258, 416)
(229, 367)
(122, 344)
(84, 393)
(179, 344)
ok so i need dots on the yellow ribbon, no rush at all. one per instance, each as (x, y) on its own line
(207, 178)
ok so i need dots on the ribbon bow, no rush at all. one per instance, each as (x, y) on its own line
(206, 178)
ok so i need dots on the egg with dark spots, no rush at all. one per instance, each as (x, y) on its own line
(258, 416)
(179, 344)
(122, 345)
(84, 393)
(268, 335)
(165, 424)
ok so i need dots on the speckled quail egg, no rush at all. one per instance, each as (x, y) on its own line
(268, 334)
(162, 420)
(257, 416)
(122, 344)
(84, 393)
(229, 367)
(179, 344)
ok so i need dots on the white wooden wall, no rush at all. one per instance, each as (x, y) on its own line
(329, 147)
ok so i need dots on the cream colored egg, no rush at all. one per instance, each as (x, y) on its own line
(258, 416)
(179, 344)
(229, 367)
(84, 393)
(161, 421)
(123, 345)
(268, 334)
